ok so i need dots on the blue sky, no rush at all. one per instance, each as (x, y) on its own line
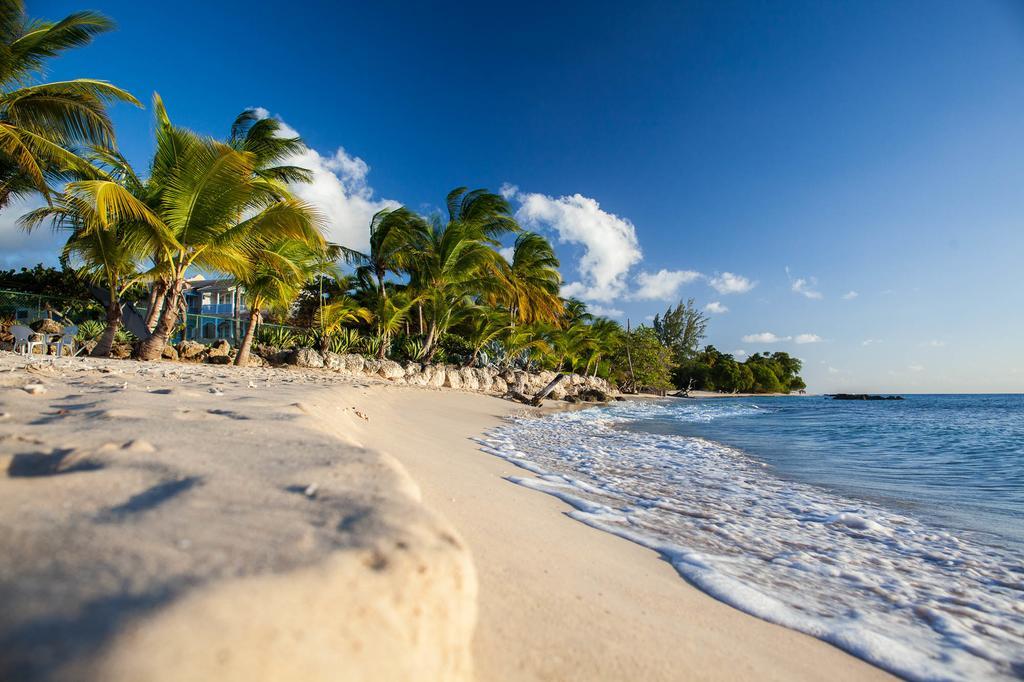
(672, 150)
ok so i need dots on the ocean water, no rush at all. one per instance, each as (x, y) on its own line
(893, 530)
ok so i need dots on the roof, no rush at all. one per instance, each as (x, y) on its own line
(211, 285)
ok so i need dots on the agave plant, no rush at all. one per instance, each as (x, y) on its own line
(89, 330)
(375, 346)
(279, 337)
(413, 349)
(342, 341)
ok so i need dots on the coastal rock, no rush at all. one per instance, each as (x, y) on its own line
(169, 353)
(190, 350)
(371, 366)
(499, 386)
(484, 379)
(306, 357)
(389, 369)
(413, 368)
(467, 376)
(437, 376)
(46, 326)
(121, 351)
(558, 392)
(89, 346)
(353, 362)
(452, 377)
(334, 361)
(218, 359)
(219, 348)
(592, 395)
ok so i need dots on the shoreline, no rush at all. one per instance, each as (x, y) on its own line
(556, 599)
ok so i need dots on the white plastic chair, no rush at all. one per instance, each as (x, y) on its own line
(23, 338)
(67, 339)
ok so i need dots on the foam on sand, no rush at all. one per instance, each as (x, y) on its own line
(917, 601)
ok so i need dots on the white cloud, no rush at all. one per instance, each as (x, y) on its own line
(807, 338)
(804, 287)
(508, 190)
(662, 285)
(610, 245)
(507, 252)
(729, 283)
(765, 337)
(598, 309)
(716, 308)
(850, 295)
(934, 343)
(832, 370)
(739, 353)
(868, 342)
(915, 368)
(339, 190)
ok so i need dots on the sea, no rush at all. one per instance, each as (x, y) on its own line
(892, 529)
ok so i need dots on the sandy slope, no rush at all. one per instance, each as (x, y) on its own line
(170, 522)
(161, 531)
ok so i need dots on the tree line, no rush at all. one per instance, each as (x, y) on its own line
(427, 288)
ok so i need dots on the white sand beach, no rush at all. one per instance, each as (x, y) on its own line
(168, 521)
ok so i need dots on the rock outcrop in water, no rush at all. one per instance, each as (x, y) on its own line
(861, 396)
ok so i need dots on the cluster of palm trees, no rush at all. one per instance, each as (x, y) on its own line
(227, 206)
(451, 283)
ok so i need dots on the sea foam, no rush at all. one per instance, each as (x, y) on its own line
(918, 601)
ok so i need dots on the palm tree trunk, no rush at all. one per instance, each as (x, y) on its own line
(419, 311)
(153, 347)
(428, 345)
(243, 352)
(157, 296)
(106, 340)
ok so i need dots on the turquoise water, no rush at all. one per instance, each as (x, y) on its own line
(956, 461)
(892, 530)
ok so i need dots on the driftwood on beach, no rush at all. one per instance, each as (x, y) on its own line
(538, 398)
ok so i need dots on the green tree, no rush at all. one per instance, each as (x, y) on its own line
(681, 328)
(42, 124)
(273, 277)
(220, 209)
(111, 231)
(644, 362)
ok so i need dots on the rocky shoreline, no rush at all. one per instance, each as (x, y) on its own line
(489, 380)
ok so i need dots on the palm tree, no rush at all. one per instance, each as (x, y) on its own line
(533, 281)
(456, 259)
(41, 124)
(111, 231)
(220, 210)
(273, 278)
(390, 313)
(394, 236)
(483, 325)
(342, 312)
(453, 264)
(606, 336)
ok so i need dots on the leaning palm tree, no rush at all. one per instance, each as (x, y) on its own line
(394, 236)
(42, 124)
(455, 259)
(266, 140)
(453, 264)
(390, 313)
(219, 210)
(482, 326)
(111, 231)
(533, 280)
(275, 275)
